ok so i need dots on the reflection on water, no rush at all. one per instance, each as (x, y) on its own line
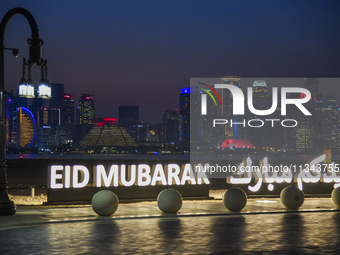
(104, 236)
(293, 233)
(230, 236)
(170, 228)
(171, 235)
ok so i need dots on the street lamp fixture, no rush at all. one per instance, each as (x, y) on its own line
(7, 206)
(15, 51)
(26, 87)
(44, 89)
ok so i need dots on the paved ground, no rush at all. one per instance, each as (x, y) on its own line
(201, 227)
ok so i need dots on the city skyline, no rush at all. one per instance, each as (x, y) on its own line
(142, 52)
(313, 128)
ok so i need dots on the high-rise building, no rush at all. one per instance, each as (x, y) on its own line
(67, 111)
(26, 127)
(206, 134)
(67, 119)
(128, 117)
(290, 134)
(57, 93)
(326, 136)
(170, 126)
(195, 127)
(143, 132)
(154, 133)
(86, 109)
(237, 131)
(265, 137)
(184, 114)
(306, 131)
(21, 101)
(226, 96)
(48, 122)
(36, 104)
(260, 95)
(11, 116)
(312, 84)
(326, 124)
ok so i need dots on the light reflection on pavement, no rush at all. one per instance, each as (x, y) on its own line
(284, 233)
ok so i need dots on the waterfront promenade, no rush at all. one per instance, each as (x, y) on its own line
(201, 227)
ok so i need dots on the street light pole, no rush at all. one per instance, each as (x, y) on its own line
(7, 207)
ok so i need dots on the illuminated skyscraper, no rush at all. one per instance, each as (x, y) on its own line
(170, 126)
(48, 122)
(260, 95)
(67, 119)
(326, 126)
(86, 109)
(237, 131)
(307, 132)
(305, 129)
(260, 137)
(195, 127)
(67, 111)
(184, 114)
(226, 96)
(27, 127)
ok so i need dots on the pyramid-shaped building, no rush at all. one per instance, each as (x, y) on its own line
(105, 133)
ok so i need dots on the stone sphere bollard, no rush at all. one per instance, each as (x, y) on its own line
(336, 196)
(169, 201)
(105, 203)
(292, 197)
(234, 199)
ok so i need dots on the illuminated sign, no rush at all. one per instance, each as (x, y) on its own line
(313, 172)
(78, 176)
(80, 180)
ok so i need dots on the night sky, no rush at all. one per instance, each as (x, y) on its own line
(142, 52)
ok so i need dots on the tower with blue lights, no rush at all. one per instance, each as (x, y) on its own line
(184, 114)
